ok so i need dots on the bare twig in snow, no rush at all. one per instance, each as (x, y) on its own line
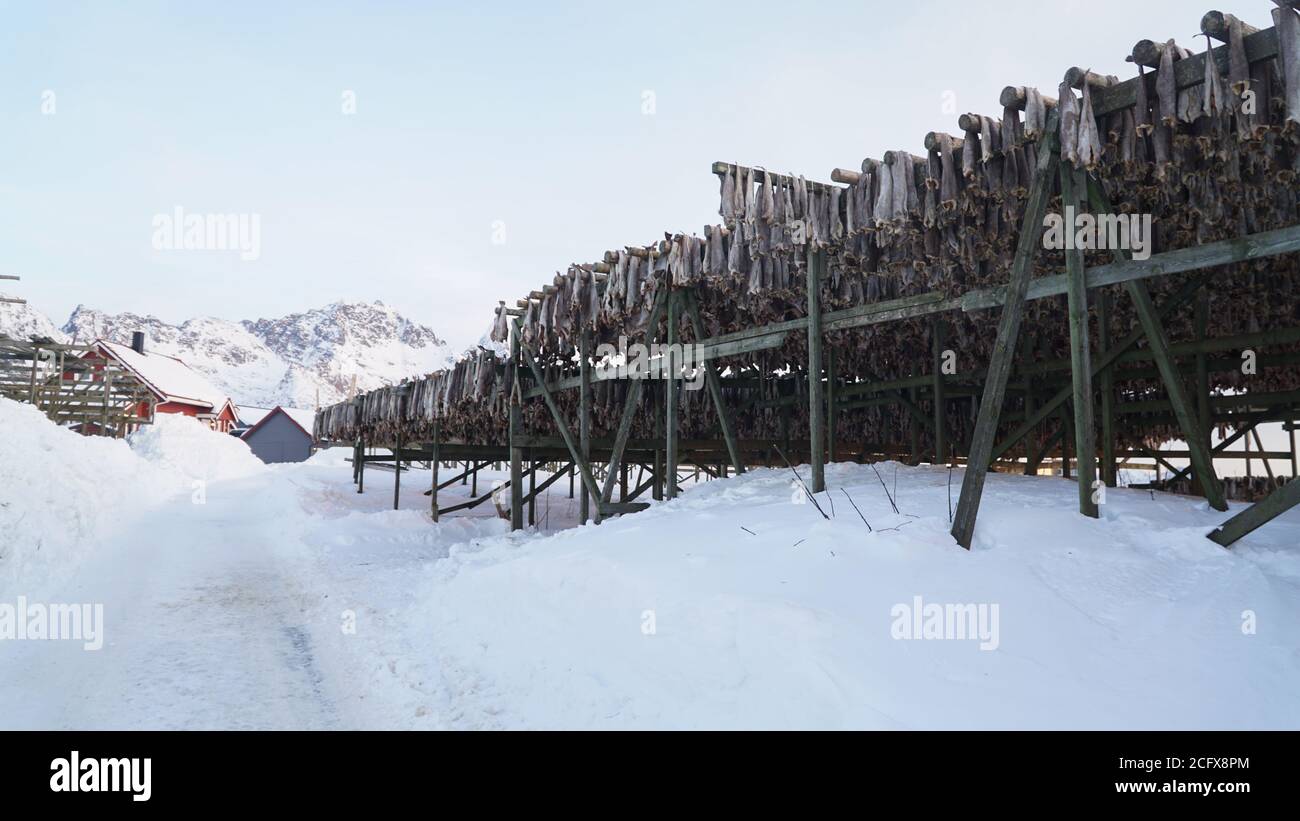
(855, 507)
(806, 491)
(884, 487)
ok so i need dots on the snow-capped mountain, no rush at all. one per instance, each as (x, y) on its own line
(268, 362)
(21, 321)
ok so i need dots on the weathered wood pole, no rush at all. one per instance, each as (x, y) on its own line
(1295, 463)
(361, 471)
(1074, 192)
(670, 390)
(939, 401)
(397, 468)
(1066, 438)
(832, 415)
(1033, 449)
(532, 489)
(1201, 320)
(584, 418)
(999, 371)
(433, 468)
(816, 422)
(516, 436)
(1109, 472)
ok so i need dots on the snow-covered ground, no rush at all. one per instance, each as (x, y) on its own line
(239, 595)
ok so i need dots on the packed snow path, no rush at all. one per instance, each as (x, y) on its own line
(285, 599)
(204, 628)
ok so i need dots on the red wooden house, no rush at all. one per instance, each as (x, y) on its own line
(175, 387)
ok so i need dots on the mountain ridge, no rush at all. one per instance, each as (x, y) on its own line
(295, 360)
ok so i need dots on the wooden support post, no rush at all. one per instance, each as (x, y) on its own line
(832, 413)
(670, 390)
(584, 416)
(1263, 457)
(1202, 464)
(36, 359)
(532, 489)
(397, 468)
(1109, 473)
(1295, 464)
(433, 468)
(999, 371)
(516, 436)
(473, 482)
(1033, 453)
(1074, 192)
(1202, 320)
(1249, 470)
(361, 471)
(938, 400)
(715, 387)
(1066, 438)
(1258, 514)
(816, 432)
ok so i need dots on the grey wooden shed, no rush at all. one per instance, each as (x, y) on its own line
(278, 437)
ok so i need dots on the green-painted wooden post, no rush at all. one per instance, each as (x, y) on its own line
(670, 391)
(816, 433)
(939, 400)
(1074, 192)
(361, 472)
(1108, 467)
(532, 488)
(1202, 321)
(433, 468)
(584, 415)
(832, 414)
(516, 434)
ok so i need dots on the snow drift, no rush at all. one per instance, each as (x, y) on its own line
(62, 494)
(191, 450)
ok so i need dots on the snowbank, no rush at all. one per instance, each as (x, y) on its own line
(738, 606)
(331, 457)
(60, 492)
(189, 448)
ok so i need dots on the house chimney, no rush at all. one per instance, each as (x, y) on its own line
(137, 341)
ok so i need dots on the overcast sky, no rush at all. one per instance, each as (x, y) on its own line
(561, 129)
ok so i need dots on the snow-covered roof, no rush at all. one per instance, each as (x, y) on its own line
(251, 415)
(170, 378)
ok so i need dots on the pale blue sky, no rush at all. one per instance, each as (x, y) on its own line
(524, 113)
